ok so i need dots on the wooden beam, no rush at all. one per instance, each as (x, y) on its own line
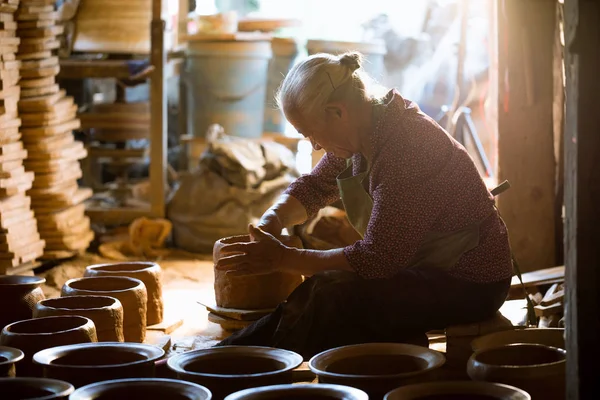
(525, 133)
(158, 109)
(582, 196)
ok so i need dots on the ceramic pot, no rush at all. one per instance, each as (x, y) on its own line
(535, 368)
(253, 292)
(377, 368)
(553, 337)
(147, 389)
(9, 356)
(304, 391)
(33, 335)
(18, 295)
(130, 292)
(148, 272)
(228, 369)
(34, 388)
(87, 363)
(458, 390)
(106, 313)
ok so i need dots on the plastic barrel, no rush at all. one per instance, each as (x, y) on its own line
(285, 51)
(373, 53)
(227, 85)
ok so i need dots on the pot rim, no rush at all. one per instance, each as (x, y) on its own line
(115, 303)
(58, 387)
(16, 354)
(476, 344)
(138, 281)
(380, 349)
(47, 356)
(88, 323)
(178, 362)
(29, 281)
(457, 387)
(82, 392)
(563, 352)
(98, 267)
(301, 389)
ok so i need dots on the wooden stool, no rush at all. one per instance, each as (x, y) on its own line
(459, 338)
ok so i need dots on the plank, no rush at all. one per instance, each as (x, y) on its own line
(525, 135)
(41, 31)
(40, 82)
(51, 205)
(582, 181)
(540, 277)
(40, 72)
(70, 243)
(47, 16)
(34, 55)
(42, 23)
(40, 63)
(237, 314)
(40, 91)
(34, 48)
(41, 103)
(13, 202)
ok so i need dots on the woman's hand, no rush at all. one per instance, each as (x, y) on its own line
(270, 223)
(263, 255)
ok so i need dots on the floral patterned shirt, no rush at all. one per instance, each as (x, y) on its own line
(421, 180)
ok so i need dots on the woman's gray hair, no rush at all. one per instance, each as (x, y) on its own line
(321, 79)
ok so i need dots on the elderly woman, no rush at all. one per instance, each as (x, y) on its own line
(434, 251)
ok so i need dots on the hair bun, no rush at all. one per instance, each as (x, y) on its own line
(352, 60)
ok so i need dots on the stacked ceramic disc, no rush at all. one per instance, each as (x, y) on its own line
(48, 118)
(20, 242)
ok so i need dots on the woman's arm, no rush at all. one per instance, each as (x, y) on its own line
(309, 262)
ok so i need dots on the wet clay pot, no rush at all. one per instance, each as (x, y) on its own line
(18, 295)
(377, 368)
(130, 292)
(253, 292)
(34, 388)
(147, 389)
(9, 356)
(94, 362)
(553, 337)
(148, 272)
(458, 390)
(228, 369)
(300, 392)
(33, 335)
(106, 313)
(535, 368)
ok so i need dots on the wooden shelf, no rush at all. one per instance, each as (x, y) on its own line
(81, 69)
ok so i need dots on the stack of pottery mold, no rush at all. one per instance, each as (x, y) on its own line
(48, 118)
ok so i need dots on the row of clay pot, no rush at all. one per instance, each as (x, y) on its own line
(121, 299)
(368, 371)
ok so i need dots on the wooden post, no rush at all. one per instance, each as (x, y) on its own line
(582, 196)
(158, 110)
(525, 135)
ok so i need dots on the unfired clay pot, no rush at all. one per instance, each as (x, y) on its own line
(253, 292)
(458, 390)
(296, 391)
(535, 368)
(34, 388)
(105, 311)
(18, 295)
(33, 335)
(227, 369)
(130, 292)
(147, 389)
(148, 272)
(553, 337)
(9, 356)
(88, 363)
(377, 368)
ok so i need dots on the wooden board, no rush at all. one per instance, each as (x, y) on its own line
(11, 245)
(13, 202)
(70, 243)
(57, 179)
(49, 31)
(56, 117)
(237, 314)
(35, 9)
(62, 218)
(34, 48)
(80, 228)
(66, 153)
(24, 250)
(40, 91)
(540, 277)
(59, 254)
(34, 55)
(228, 324)
(40, 103)
(20, 155)
(40, 72)
(39, 82)
(48, 143)
(41, 63)
(8, 8)
(52, 205)
(47, 166)
(24, 255)
(45, 16)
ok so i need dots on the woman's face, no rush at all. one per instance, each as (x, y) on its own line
(334, 133)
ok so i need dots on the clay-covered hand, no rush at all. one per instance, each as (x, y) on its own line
(263, 255)
(270, 223)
